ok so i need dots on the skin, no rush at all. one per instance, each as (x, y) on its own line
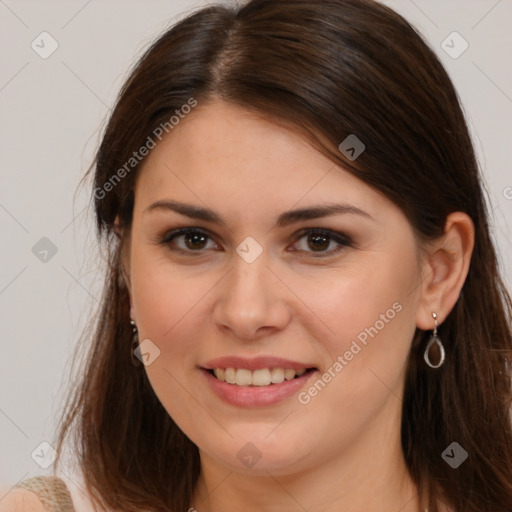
(340, 451)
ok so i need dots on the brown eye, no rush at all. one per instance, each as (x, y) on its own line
(187, 240)
(320, 240)
(195, 240)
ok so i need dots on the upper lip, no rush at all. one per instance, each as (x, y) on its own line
(256, 363)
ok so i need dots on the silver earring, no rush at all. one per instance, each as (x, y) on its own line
(434, 340)
(135, 343)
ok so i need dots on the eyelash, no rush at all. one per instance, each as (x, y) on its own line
(339, 238)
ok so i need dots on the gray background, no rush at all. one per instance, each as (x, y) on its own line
(53, 111)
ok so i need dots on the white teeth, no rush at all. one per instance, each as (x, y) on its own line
(230, 376)
(289, 374)
(220, 373)
(262, 377)
(277, 375)
(243, 377)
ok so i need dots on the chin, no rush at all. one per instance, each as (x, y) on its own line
(256, 454)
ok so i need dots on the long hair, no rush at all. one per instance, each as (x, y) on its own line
(329, 69)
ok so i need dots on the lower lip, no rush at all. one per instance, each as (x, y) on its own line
(256, 396)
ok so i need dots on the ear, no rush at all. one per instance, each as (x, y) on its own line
(445, 268)
(125, 254)
(117, 227)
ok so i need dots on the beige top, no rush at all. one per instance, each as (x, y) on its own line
(51, 491)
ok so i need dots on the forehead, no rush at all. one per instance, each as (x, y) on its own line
(241, 139)
(237, 161)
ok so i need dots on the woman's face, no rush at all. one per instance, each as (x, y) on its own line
(276, 285)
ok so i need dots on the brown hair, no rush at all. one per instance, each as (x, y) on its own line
(330, 69)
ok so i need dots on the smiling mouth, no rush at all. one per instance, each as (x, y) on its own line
(258, 378)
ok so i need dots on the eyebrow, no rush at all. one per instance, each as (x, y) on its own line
(284, 219)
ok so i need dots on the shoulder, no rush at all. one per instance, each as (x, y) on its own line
(38, 494)
(20, 500)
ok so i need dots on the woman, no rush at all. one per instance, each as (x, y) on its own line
(302, 309)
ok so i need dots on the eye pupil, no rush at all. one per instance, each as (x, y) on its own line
(197, 240)
(319, 242)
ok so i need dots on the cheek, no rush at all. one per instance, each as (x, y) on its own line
(372, 315)
(167, 306)
(359, 298)
(164, 299)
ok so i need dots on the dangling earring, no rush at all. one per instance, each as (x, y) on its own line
(434, 339)
(135, 343)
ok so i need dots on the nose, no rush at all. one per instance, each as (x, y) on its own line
(251, 301)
